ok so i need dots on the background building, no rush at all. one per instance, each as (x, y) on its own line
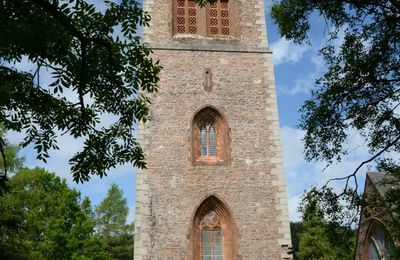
(375, 240)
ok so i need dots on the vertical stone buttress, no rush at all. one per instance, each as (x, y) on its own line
(252, 184)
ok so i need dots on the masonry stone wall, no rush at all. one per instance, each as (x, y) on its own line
(252, 185)
(250, 24)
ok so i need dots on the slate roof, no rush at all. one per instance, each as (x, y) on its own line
(378, 179)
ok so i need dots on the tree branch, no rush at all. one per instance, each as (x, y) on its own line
(395, 4)
(52, 9)
(354, 174)
(3, 155)
(81, 84)
(65, 21)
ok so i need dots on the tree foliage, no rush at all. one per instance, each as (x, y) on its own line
(327, 221)
(296, 228)
(314, 244)
(111, 217)
(9, 159)
(45, 220)
(98, 65)
(360, 90)
(112, 212)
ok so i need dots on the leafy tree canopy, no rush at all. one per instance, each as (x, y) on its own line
(112, 212)
(9, 159)
(327, 221)
(49, 222)
(360, 90)
(296, 228)
(98, 64)
(314, 244)
(111, 217)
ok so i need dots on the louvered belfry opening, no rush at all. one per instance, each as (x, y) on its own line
(212, 20)
(186, 16)
(219, 18)
(213, 234)
(210, 137)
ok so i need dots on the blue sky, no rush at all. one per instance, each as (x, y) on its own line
(296, 68)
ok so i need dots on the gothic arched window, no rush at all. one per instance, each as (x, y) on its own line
(213, 231)
(211, 237)
(380, 245)
(210, 137)
(214, 19)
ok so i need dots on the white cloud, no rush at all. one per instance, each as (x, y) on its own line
(293, 204)
(302, 85)
(318, 62)
(285, 51)
(305, 82)
(302, 175)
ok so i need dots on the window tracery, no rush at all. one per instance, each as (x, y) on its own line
(210, 137)
(207, 141)
(213, 232)
(211, 237)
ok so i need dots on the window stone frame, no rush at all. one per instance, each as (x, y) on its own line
(210, 115)
(228, 226)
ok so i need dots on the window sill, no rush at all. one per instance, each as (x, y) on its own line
(184, 36)
(210, 161)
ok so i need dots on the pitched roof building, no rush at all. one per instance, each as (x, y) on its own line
(375, 237)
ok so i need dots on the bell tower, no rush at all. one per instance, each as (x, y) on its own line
(214, 188)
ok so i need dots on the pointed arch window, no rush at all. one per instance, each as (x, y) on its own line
(380, 245)
(213, 231)
(210, 137)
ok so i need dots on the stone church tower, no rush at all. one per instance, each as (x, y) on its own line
(214, 188)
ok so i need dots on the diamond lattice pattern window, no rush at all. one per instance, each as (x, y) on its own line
(213, 20)
(219, 18)
(186, 16)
